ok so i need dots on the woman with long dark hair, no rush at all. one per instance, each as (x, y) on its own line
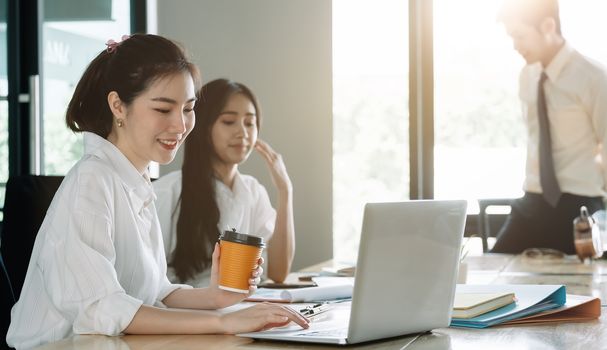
(210, 195)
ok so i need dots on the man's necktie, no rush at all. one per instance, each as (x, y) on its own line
(550, 186)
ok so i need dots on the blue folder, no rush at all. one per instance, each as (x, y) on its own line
(530, 299)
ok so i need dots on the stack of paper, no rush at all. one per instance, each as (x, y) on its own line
(576, 308)
(340, 270)
(328, 288)
(534, 303)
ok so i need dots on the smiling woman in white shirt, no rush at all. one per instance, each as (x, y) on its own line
(98, 265)
(217, 196)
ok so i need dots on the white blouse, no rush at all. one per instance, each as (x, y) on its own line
(246, 207)
(98, 255)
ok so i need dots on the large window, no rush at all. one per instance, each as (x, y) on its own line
(71, 40)
(583, 24)
(479, 146)
(44, 48)
(480, 138)
(370, 111)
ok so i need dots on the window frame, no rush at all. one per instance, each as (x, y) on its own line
(24, 25)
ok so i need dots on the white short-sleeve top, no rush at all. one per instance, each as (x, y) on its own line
(246, 207)
(98, 255)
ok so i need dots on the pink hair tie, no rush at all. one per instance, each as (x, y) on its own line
(113, 45)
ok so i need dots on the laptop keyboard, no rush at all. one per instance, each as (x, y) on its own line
(330, 333)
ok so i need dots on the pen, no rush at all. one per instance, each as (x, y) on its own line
(307, 277)
(313, 310)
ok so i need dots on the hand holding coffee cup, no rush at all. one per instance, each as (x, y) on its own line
(240, 254)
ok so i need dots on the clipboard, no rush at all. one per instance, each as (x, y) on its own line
(311, 311)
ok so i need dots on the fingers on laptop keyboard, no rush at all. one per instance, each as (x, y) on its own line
(282, 315)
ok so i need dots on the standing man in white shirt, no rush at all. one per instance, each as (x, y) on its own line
(564, 100)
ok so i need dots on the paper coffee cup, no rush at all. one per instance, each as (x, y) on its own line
(239, 256)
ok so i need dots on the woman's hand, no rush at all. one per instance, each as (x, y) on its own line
(224, 298)
(275, 165)
(281, 248)
(261, 317)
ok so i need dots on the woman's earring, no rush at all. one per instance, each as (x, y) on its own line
(119, 122)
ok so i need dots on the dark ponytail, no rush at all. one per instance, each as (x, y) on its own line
(128, 68)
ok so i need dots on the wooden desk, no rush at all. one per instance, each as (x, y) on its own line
(588, 278)
(585, 279)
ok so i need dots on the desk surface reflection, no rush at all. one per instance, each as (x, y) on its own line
(584, 279)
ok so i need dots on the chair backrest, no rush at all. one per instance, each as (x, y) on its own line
(27, 199)
(490, 224)
(25, 204)
(8, 299)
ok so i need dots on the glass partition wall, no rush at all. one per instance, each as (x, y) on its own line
(73, 33)
(44, 48)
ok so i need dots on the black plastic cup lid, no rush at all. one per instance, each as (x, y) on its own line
(233, 236)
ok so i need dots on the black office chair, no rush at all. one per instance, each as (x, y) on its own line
(8, 300)
(490, 224)
(25, 204)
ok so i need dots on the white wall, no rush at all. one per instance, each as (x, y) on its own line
(282, 51)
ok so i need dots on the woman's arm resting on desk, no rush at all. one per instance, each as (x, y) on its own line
(153, 320)
(281, 247)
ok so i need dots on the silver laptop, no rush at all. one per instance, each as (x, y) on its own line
(405, 276)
